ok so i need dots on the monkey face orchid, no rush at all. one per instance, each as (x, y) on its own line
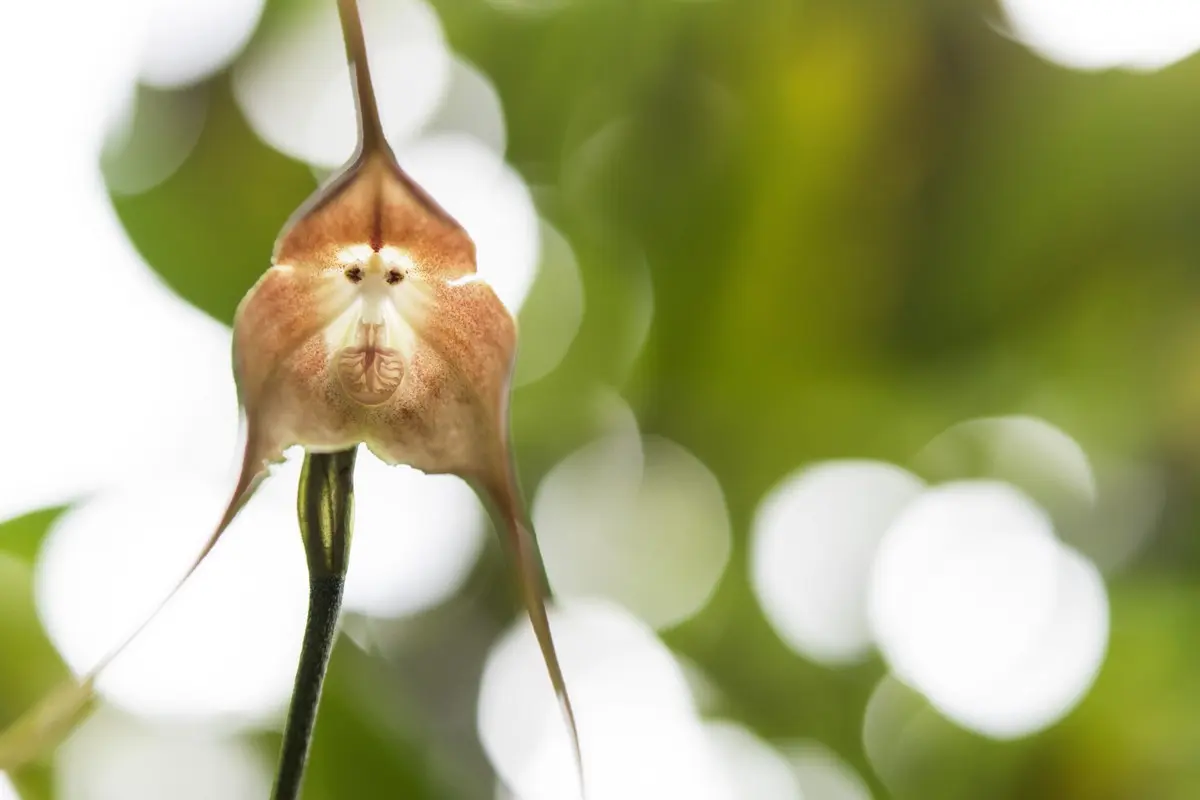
(373, 326)
(370, 327)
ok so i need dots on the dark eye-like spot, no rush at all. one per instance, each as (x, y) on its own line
(394, 276)
(354, 274)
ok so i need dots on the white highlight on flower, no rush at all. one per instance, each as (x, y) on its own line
(754, 770)
(294, 86)
(7, 790)
(113, 757)
(811, 549)
(490, 200)
(643, 740)
(641, 522)
(416, 538)
(226, 646)
(971, 600)
(188, 40)
(1100, 34)
(822, 775)
(553, 311)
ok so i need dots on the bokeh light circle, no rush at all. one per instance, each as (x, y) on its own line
(153, 137)
(188, 40)
(812, 545)
(293, 84)
(416, 538)
(650, 532)
(226, 646)
(964, 582)
(1055, 673)
(976, 604)
(113, 757)
(134, 424)
(553, 311)
(1087, 34)
(630, 697)
(754, 770)
(490, 200)
(1035, 455)
(894, 731)
(822, 775)
(471, 105)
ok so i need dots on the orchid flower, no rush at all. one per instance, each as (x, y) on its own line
(371, 327)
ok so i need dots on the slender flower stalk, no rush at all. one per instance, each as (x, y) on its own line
(326, 511)
(370, 327)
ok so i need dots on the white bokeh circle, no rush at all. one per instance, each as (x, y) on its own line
(812, 544)
(188, 40)
(822, 775)
(7, 790)
(754, 770)
(152, 138)
(975, 603)
(226, 646)
(293, 85)
(964, 583)
(133, 422)
(551, 319)
(490, 200)
(895, 728)
(1057, 671)
(649, 530)
(471, 105)
(416, 538)
(1101, 34)
(1028, 452)
(638, 726)
(114, 757)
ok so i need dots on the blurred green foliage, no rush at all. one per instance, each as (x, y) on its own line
(864, 221)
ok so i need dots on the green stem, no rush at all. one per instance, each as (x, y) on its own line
(326, 511)
(370, 125)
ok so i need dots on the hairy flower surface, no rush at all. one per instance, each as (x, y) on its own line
(372, 326)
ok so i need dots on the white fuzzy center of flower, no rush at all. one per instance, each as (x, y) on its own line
(372, 340)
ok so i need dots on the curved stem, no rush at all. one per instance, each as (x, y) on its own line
(370, 127)
(326, 510)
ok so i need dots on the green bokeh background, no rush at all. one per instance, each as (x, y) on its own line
(864, 221)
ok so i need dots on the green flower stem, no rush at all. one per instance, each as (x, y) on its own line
(326, 511)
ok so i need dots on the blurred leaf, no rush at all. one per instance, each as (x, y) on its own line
(352, 755)
(46, 725)
(210, 228)
(22, 537)
(24, 679)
